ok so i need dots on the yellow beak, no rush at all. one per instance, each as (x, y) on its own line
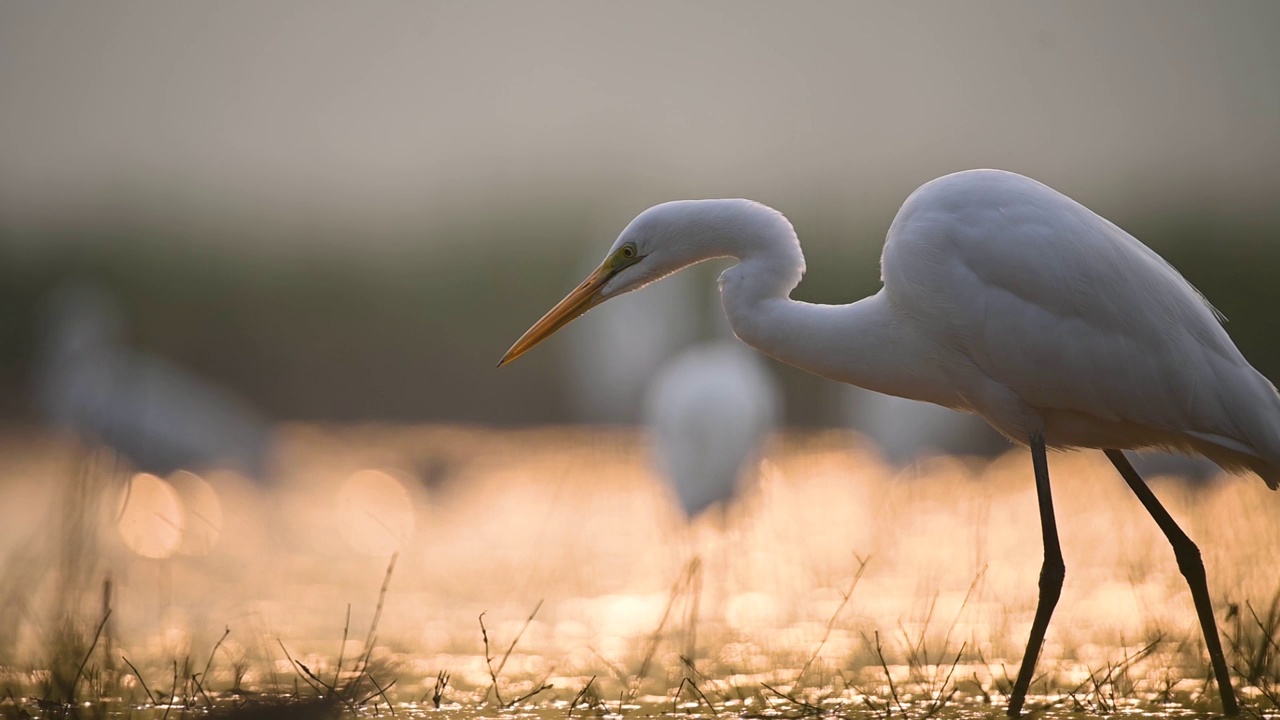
(583, 298)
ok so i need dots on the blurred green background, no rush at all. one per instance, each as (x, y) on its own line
(348, 211)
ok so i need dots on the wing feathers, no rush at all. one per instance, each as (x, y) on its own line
(1073, 314)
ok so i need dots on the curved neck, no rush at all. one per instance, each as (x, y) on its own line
(863, 343)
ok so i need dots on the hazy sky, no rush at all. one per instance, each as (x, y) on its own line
(349, 113)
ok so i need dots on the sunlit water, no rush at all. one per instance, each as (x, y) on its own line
(835, 585)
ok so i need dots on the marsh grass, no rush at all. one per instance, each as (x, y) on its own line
(905, 683)
(798, 628)
(184, 693)
(494, 673)
(1254, 642)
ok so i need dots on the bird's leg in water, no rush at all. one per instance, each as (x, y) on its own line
(693, 590)
(1051, 575)
(709, 537)
(1192, 568)
(687, 591)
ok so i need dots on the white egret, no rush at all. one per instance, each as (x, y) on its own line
(709, 410)
(1004, 298)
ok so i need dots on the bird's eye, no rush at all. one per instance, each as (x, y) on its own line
(629, 252)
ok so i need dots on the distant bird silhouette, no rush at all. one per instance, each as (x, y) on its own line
(613, 357)
(1194, 470)
(158, 416)
(909, 430)
(709, 412)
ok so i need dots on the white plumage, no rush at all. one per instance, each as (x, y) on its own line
(1041, 316)
(1004, 298)
(710, 411)
(1001, 297)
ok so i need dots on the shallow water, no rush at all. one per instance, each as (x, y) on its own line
(862, 581)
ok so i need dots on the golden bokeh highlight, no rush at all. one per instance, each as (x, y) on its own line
(202, 512)
(577, 523)
(374, 513)
(150, 518)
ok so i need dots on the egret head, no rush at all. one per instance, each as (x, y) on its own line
(662, 240)
(650, 247)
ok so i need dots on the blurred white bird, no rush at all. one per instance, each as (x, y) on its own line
(710, 411)
(158, 416)
(611, 359)
(908, 430)
(1004, 298)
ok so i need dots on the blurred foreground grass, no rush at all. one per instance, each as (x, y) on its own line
(551, 565)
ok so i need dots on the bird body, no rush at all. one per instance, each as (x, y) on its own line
(709, 410)
(1004, 298)
(1046, 317)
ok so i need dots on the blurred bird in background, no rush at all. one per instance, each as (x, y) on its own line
(141, 409)
(908, 430)
(158, 416)
(611, 360)
(710, 411)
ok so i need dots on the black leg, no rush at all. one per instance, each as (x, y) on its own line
(693, 587)
(1051, 575)
(1192, 568)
